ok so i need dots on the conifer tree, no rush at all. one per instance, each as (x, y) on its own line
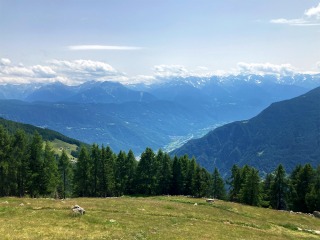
(51, 174)
(121, 173)
(21, 155)
(4, 162)
(108, 165)
(131, 172)
(218, 187)
(313, 196)
(184, 161)
(36, 183)
(303, 184)
(201, 186)
(82, 174)
(96, 165)
(65, 170)
(250, 192)
(235, 183)
(266, 190)
(145, 173)
(176, 177)
(192, 166)
(165, 178)
(279, 189)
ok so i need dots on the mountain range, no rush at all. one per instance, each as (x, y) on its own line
(287, 132)
(160, 115)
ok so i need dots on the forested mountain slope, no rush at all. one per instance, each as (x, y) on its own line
(287, 132)
(46, 134)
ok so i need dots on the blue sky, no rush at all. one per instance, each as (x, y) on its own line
(140, 40)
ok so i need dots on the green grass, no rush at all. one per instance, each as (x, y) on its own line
(58, 145)
(148, 218)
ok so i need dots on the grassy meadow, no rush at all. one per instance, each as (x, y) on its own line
(148, 218)
(59, 145)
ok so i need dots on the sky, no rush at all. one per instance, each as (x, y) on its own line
(74, 41)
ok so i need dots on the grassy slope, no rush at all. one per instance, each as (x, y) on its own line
(148, 218)
(58, 145)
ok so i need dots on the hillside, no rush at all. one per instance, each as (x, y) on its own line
(166, 218)
(287, 132)
(58, 141)
(46, 134)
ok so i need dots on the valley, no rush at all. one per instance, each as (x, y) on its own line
(162, 115)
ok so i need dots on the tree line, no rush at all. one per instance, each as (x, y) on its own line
(29, 167)
(299, 191)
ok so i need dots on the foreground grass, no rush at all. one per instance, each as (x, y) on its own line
(148, 218)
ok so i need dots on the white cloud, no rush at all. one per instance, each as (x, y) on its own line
(313, 12)
(87, 67)
(80, 71)
(101, 47)
(69, 72)
(5, 61)
(164, 71)
(43, 71)
(10, 73)
(141, 79)
(266, 69)
(298, 21)
(311, 18)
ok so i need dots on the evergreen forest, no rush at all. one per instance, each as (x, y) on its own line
(30, 168)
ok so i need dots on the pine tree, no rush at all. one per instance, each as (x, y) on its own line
(304, 181)
(250, 192)
(21, 155)
(65, 170)
(201, 186)
(145, 173)
(165, 178)
(176, 177)
(292, 183)
(192, 166)
(121, 173)
(96, 165)
(4, 162)
(279, 189)
(313, 197)
(51, 174)
(266, 190)
(82, 172)
(184, 161)
(108, 165)
(218, 187)
(131, 173)
(36, 183)
(235, 183)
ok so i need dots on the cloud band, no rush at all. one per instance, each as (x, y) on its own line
(102, 47)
